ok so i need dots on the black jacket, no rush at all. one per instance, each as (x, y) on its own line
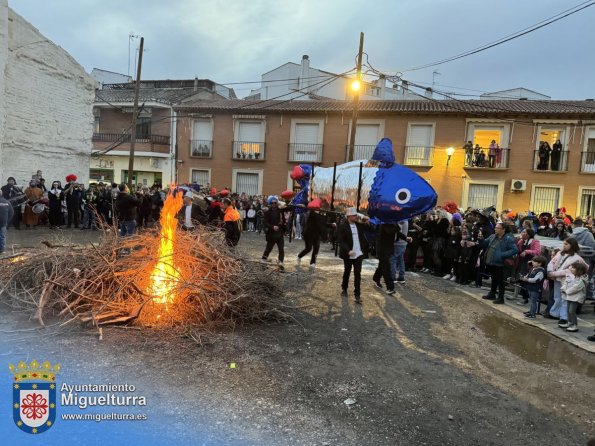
(314, 227)
(386, 237)
(346, 239)
(274, 217)
(6, 212)
(126, 206)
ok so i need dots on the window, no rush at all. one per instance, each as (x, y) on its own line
(201, 177)
(366, 138)
(482, 195)
(202, 134)
(97, 123)
(420, 141)
(545, 199)
(588, 155)
(556, 161)
(306, 137)
(484, 135)
(143, 128)
(247, 182)
(249, 143)
(587, 202)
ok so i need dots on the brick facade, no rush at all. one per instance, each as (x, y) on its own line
(452, 181)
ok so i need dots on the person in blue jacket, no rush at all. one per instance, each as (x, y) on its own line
(498, 248)
(6, 214)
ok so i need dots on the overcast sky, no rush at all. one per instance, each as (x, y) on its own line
(237, 40)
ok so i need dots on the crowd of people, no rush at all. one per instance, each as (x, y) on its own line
(467, 247)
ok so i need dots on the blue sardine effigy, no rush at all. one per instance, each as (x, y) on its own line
(389, 192)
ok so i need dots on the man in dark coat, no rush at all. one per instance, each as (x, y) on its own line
(6, 214)
(191, 214)
(11, 192)
(312, 232)
(385, 240)
(126, 210)
(74, 197)
(353, 248)
(274, 223)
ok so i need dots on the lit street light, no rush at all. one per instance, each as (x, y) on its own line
(449, 151)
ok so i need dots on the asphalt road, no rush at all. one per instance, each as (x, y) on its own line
(417, 366)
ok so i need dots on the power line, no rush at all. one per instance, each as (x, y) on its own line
(520, 33)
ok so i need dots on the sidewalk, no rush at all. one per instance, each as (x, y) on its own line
(586, 320)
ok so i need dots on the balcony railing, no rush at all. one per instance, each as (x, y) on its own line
(307, 153)
(418, 156)
(200, 148)
(360, 152)
(125, 137)
(500, 160)
(248, 150)
(588, 162)
(556, 163)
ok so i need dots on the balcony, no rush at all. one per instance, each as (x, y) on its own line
(248, 150)
(125, 138)
(550, 164)
(418, 156)
(483, 161)
(360, 152)
(200, 148)
(305, 153)
(588, 162)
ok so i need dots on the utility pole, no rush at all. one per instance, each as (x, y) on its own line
(134, 115)
(356, 98)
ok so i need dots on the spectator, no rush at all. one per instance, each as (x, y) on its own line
(468, 153)
(493, 150)
(33, 194)
(452, 252)
(6, 215)
(14, 194)
(126, 210)
(557, 269)
(55, 197)
(574, 292)
(500, 247)
(559, 231)
(556, 155)
(528, 248)
(533, 283)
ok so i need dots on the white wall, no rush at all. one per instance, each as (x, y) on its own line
(47, 101)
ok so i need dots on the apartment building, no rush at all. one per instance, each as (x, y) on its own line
(154, 159)
(251, 146)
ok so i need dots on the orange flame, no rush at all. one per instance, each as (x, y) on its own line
(165, 275)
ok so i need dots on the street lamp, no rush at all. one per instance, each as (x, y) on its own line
(449, 151)
(356, 85)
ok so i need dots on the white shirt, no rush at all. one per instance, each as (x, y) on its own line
(187, 217)
(357, 249)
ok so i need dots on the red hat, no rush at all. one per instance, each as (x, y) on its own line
(287, 194)
(297, 173)
(224, 193)
(71, 177)
(315, 204)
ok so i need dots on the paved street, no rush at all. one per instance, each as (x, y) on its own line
(430, 365)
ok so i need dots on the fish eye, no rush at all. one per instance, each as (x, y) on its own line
(403, 195)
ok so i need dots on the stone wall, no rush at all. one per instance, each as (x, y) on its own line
(46, 99)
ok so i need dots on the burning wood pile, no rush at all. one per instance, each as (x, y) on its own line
(167, 278)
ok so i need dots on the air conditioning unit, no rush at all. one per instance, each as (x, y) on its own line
(518, 185)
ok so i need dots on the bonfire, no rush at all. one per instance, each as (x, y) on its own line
(160, 278)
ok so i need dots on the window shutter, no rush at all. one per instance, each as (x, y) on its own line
(250, 132)
(306, 133)
(420, 135)
(247, 182)
(545, 199)
(482, 195)
(202, 130)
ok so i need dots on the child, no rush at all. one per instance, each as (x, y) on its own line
(533, 283)
(251, 219)
(574, 291)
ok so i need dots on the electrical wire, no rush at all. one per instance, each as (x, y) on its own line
(508, 38)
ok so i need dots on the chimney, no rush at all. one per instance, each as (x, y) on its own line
(305, 73)
(428, 93)
(382, 85)
(196, 83)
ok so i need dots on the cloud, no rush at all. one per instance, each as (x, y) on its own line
(236, 40)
